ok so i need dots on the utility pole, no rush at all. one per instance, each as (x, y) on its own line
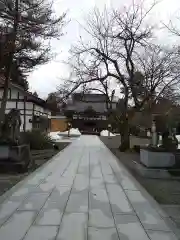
(8, 67)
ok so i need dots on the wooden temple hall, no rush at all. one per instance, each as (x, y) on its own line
(88, 112)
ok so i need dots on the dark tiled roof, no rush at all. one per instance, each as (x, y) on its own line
(29, 96)
(89, 97)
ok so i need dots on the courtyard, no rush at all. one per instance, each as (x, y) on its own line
(82, 193)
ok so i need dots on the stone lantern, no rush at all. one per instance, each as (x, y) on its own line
(109, 128)
(69, 128)
(154, 134)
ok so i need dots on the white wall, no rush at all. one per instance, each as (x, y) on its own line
(29, 112)
(10, 105)
(20, 105)
(28, 124)
(21, 95)
(29, 108)
(29, 105)
(22, 123)
(14, 93)
(40, 110)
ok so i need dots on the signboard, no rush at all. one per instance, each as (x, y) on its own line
(89, 118)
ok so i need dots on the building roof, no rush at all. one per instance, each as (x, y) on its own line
(81, 102)
(91, 97)
(29, 96)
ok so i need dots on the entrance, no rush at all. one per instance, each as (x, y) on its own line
(90, 126)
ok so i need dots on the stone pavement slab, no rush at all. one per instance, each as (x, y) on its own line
(74, 226)
(83, 193)
(105, 234)
(157, 235)
(118, 200)
(48, 217)
(42, 232)
(130, 228)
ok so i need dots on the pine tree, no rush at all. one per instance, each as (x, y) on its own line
(35, 94)
(26, 26)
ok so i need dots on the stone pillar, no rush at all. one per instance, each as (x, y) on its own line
(154, 134)
(109, 128)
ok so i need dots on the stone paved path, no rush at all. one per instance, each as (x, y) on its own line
(83, 193)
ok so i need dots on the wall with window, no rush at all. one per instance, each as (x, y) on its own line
(27, 109)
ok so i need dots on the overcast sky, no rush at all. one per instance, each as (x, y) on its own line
(45, 78)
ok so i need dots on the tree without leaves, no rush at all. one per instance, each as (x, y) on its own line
(120, 47)
(172, 27)
(160, 74)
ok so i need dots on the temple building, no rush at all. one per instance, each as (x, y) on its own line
(88, 112)
(35, 113)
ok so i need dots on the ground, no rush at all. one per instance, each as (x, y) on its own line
(83, 193)
(165, 192)
(8, 178)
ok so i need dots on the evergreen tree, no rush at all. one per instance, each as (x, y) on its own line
(35, 94)
(26, 26)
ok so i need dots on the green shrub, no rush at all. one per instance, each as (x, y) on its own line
(134, 130)
(37, 140)
(136, 148)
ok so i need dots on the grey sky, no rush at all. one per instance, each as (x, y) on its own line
(45, 78)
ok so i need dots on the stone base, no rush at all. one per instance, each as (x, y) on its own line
(4, 152)
(157, 173)
(156, 159)
(15, 155)
(151, 172)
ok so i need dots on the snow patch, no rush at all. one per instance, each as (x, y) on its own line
(54, 136)
(73, 132)
(57, 138)
(178, 137)
(105, 133)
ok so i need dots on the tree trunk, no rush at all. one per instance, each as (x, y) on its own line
(125, 137)
(5, 92)
(8, 67)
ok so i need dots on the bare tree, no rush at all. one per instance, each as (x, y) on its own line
(160, 75)
(172, 25)
(120, 49)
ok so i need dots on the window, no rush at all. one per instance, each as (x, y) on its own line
(36, 122)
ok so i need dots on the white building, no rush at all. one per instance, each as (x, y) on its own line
(34, 111)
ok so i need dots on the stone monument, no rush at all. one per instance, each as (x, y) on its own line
(11, 128)
(11, 149)
(163, 156)
(154, 137)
